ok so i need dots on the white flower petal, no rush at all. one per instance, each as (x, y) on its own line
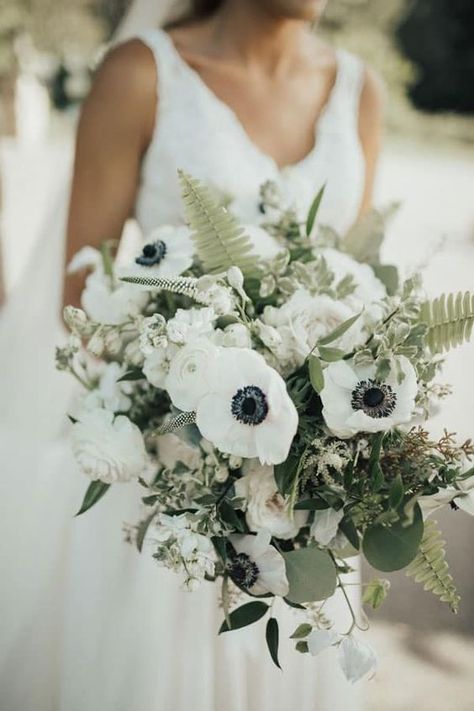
(325, 525)
(319, 640)
(357, 658)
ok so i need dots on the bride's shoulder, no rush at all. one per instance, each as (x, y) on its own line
(130, 68)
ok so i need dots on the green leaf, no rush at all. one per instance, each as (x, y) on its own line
(245, 615)
(375, 470)
(219, 543)
(313, 211)
(393, 547)
(338, 331)
(272, 636)
(94, 493)
(131, 375)
(376, 592)
(302, 631)
(388, 275)
(229, 516)
(311, 505)
(450, 321)
(107, 258)
(350, 531)
(311, 574)
(316, 375)
(143, 529)
(396, 493)
(220, 241)
(285, 474)
(330, 355)
(302, 646)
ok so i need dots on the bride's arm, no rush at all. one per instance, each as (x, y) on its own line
(370, 131)
(114, 131)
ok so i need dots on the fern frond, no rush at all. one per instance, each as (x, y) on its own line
(177, 422)
(450, 320)
(220, 241)
(431, 568)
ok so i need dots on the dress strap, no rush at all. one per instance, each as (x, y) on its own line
(349, 84)
(158, 43)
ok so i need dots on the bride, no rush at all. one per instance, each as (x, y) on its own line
(236, 92)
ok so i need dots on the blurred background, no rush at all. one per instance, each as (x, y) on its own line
(424, 50)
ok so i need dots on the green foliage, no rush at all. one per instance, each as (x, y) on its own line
(244, 616)
(316, 375)
(431, 569)
(220, 241)
(272, 635)
(313, 211)
(450, 320)
(392, 547)
(94, 493)
(302, 631)
(311, 574)
(376, 592)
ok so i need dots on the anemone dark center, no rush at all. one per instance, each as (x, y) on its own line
(249, 405)
(374, 398)
(152, 253)
(243, 570)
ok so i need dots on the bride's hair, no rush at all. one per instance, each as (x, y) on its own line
(198, 10)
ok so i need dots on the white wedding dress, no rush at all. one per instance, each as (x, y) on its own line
(88, 624)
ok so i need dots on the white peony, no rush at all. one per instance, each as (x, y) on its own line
(257, 566)
(189, 324)
(168, 252)
(266, 509)
(243, 408)
(354, 401)
(186, 381)
(303, 320)
(108, 448)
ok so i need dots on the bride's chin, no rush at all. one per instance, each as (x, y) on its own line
(308, 10)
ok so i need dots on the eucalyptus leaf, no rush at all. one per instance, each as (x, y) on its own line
(330, 355)
(393, 547)
(396, 493)
(388, 275)
(94, 493)
(245, 615)
(131, 375)
(375, 592)
(311, 574)
(302, 631)
(338, 331)
(229, 515)
(142, 531)
(272, 635)
(285, 474)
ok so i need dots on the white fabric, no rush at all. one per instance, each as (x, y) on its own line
(87, 624)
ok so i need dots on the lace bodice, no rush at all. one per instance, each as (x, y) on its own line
(198, 132)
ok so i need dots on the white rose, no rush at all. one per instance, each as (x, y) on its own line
(107, 448)
(266, 507)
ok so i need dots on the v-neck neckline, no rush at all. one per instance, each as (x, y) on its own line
(237, 122)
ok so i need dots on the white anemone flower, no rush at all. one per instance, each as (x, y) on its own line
(186, 380)
(355, 401)
(245, 409)
(266, 508)
(108, 448)
(257, 566)
(461, 497)
(168, 252)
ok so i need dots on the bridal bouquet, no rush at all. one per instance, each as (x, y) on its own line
(271, 410)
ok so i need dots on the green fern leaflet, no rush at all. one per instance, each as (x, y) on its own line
(450, 320)
(431, 569)
(220, 241)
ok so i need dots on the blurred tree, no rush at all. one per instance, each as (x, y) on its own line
(438, 37)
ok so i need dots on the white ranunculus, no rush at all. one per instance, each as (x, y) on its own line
(168, 252)
(110, 303)
(258, 567)
(266, 509)
(186, 381)
(357, 658)
(244, 408)
(189, 324)
(354, 401)
(325, 525)
(108, 448)
(304, 319)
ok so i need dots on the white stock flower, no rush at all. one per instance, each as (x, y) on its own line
(152, 334)
(168, 252)
(189, 324)
(186, 381)
(216, 295)
(266, 509)
(354, 401)
(108, 448)
(156, 366)
(244, 408)
(185, 550)
(303, 320)
(257, 566)
(108, 394)
(325, 525)
(110, 303)
(357, 658)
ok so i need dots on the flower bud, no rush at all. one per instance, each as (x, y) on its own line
(235, 278)
(76, 319)
(96, 344)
